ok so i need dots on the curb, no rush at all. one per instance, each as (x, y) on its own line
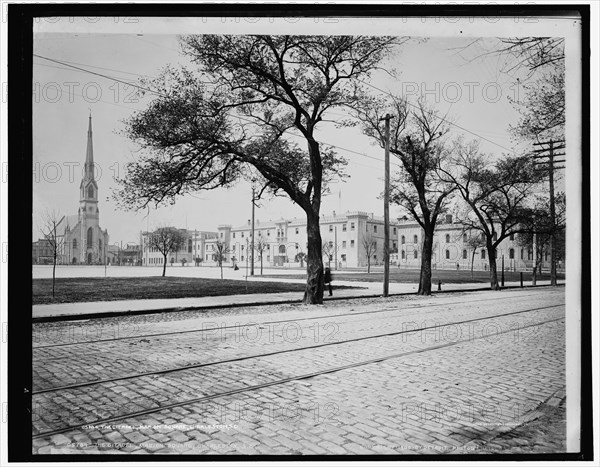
(117, 314)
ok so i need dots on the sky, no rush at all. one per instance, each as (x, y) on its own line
(473, 93)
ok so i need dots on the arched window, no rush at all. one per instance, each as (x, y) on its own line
(464, 254)
(416, 254)
(511, 253)
(282, 249)
(482, 254)
(415, 239)
(99, 244)
(403, 241)
(74, 243)
(465, 238)
(447, 254)
(90, 237)
(403, 254)
(190, 245)
(447, 238)
(90, 191)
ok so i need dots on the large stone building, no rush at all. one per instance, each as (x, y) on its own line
(190, 250)
(346, 238)
(285, 241)
(80, 239)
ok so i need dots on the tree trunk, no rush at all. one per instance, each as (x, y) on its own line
(493, 273)
(164, 265)
(261, 264)
(426, 253)
(368, 265)
(313, 293)
(472, 261)
(221, 266)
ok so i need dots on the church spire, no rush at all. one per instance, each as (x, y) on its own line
(89, 155)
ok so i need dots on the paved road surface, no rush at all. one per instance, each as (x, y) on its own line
(446, 374)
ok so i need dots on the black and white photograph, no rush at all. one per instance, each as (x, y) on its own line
(297, 234)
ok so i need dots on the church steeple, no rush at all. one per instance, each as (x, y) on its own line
(89, 187)
(89, 155)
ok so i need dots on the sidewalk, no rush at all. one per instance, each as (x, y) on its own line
(88, 310)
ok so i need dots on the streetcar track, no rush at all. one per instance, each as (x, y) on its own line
(278, 352)
(287, 380)
(141, 336)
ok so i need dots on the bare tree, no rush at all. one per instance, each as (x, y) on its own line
(474, 242)
(261, 245)
(416, 139)
(369, 243)
(301, 257)
(495, 195)
(221, 252)
(262, 88)
(166, 240)
(54, 239)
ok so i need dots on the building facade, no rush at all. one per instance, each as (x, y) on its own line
(284, 242)
(190, 251)
(80, 239)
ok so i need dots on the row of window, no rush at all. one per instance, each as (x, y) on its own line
(511, 254)
(280, 232)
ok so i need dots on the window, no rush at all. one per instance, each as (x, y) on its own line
(74, 243)
(344, 244)
(546, 256)
(221, 234)
(464, 238)
(415, 239)
(282, 249)
(91, 192)
(233, 234)
(464, 254)
(416, 254)
(403, 254)
(447, 254)
(530, 254)
(268, 233)
(344, 227)
(344, 258)
(297, 231)
(351, 243)
(522, 250)
(331, 228)
(495, 237)
(511, 253)
(403, 240)
(242, 234)
(482, 254)
(242, 247)
(375, 229)
(351, 225)
(394, 230)
(90, 236)
(512, 236)
(394, 245)
(447, 238)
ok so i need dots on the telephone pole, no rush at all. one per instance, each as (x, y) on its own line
(386, 209)
(550, 147)
(252, 235)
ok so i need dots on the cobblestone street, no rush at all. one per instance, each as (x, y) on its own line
(447, 374)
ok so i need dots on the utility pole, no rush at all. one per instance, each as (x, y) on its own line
(548, 165)
(336, 248)
(386, 209)
(252, 234)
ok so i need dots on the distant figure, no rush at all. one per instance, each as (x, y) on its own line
(457, 266)
(327, 279)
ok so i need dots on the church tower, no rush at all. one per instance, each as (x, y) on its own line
(92, 238)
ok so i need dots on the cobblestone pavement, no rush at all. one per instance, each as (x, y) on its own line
(456, 389)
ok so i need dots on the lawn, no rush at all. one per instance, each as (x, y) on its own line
(93, 289)
(447, 276)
